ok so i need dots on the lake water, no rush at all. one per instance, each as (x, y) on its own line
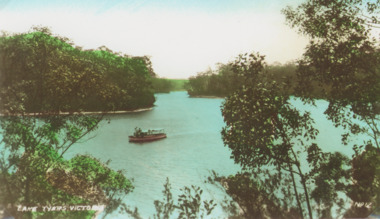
(193, 147)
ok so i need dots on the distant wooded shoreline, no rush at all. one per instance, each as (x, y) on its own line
(77, 113)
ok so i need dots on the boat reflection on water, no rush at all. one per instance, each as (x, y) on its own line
(140, 136)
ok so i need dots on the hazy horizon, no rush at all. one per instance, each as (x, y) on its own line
(181, 37)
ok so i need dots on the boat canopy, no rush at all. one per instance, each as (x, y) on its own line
(140, 133)
(154, 131)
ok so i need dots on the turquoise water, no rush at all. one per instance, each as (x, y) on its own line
(193, 147)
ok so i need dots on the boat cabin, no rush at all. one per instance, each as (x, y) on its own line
(148, 135)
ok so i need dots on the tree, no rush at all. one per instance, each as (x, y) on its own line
(365, 188)
(189, 204)
(47, 73)
(269, 136)
(224, 81)
(199, 85)
(33, 170)
(162, 85)
(251, 199)
(41, 68)
(343, 58)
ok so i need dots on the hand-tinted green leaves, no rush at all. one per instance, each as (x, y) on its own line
(342, 60)
(366, 175)
(65, 78)
(342, 56)
(189, 204)
(32, 164)
(92, 170)
(332, 175)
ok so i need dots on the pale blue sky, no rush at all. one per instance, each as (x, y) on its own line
(104, 5)
(182, 37)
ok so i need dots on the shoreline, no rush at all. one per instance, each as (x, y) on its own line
(205, 96)
(79, 113)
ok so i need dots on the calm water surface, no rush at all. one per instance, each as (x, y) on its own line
(193, 147)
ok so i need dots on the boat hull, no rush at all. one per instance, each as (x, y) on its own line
(147, 138)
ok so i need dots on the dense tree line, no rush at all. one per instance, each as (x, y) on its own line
(35, 67)
(162, 85)
(224, 80)
(213, 83)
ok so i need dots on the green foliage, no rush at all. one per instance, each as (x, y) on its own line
(133, 213)
(254, 197)
(189, 204)
(113, 184)
(269, 137)
(210, 83)
(162, 85)
(178, 84)
(327, 19)
(46, 75)
(283, 74)
(226, 80)
(64, 215)
(165, 207)
(92, 170)
(256, 116)
(40, 72)
(342, 59)
(365, 190)
(131, 77)
(331, 176)
(33, 171)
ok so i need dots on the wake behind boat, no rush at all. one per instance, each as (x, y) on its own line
(140, 136)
